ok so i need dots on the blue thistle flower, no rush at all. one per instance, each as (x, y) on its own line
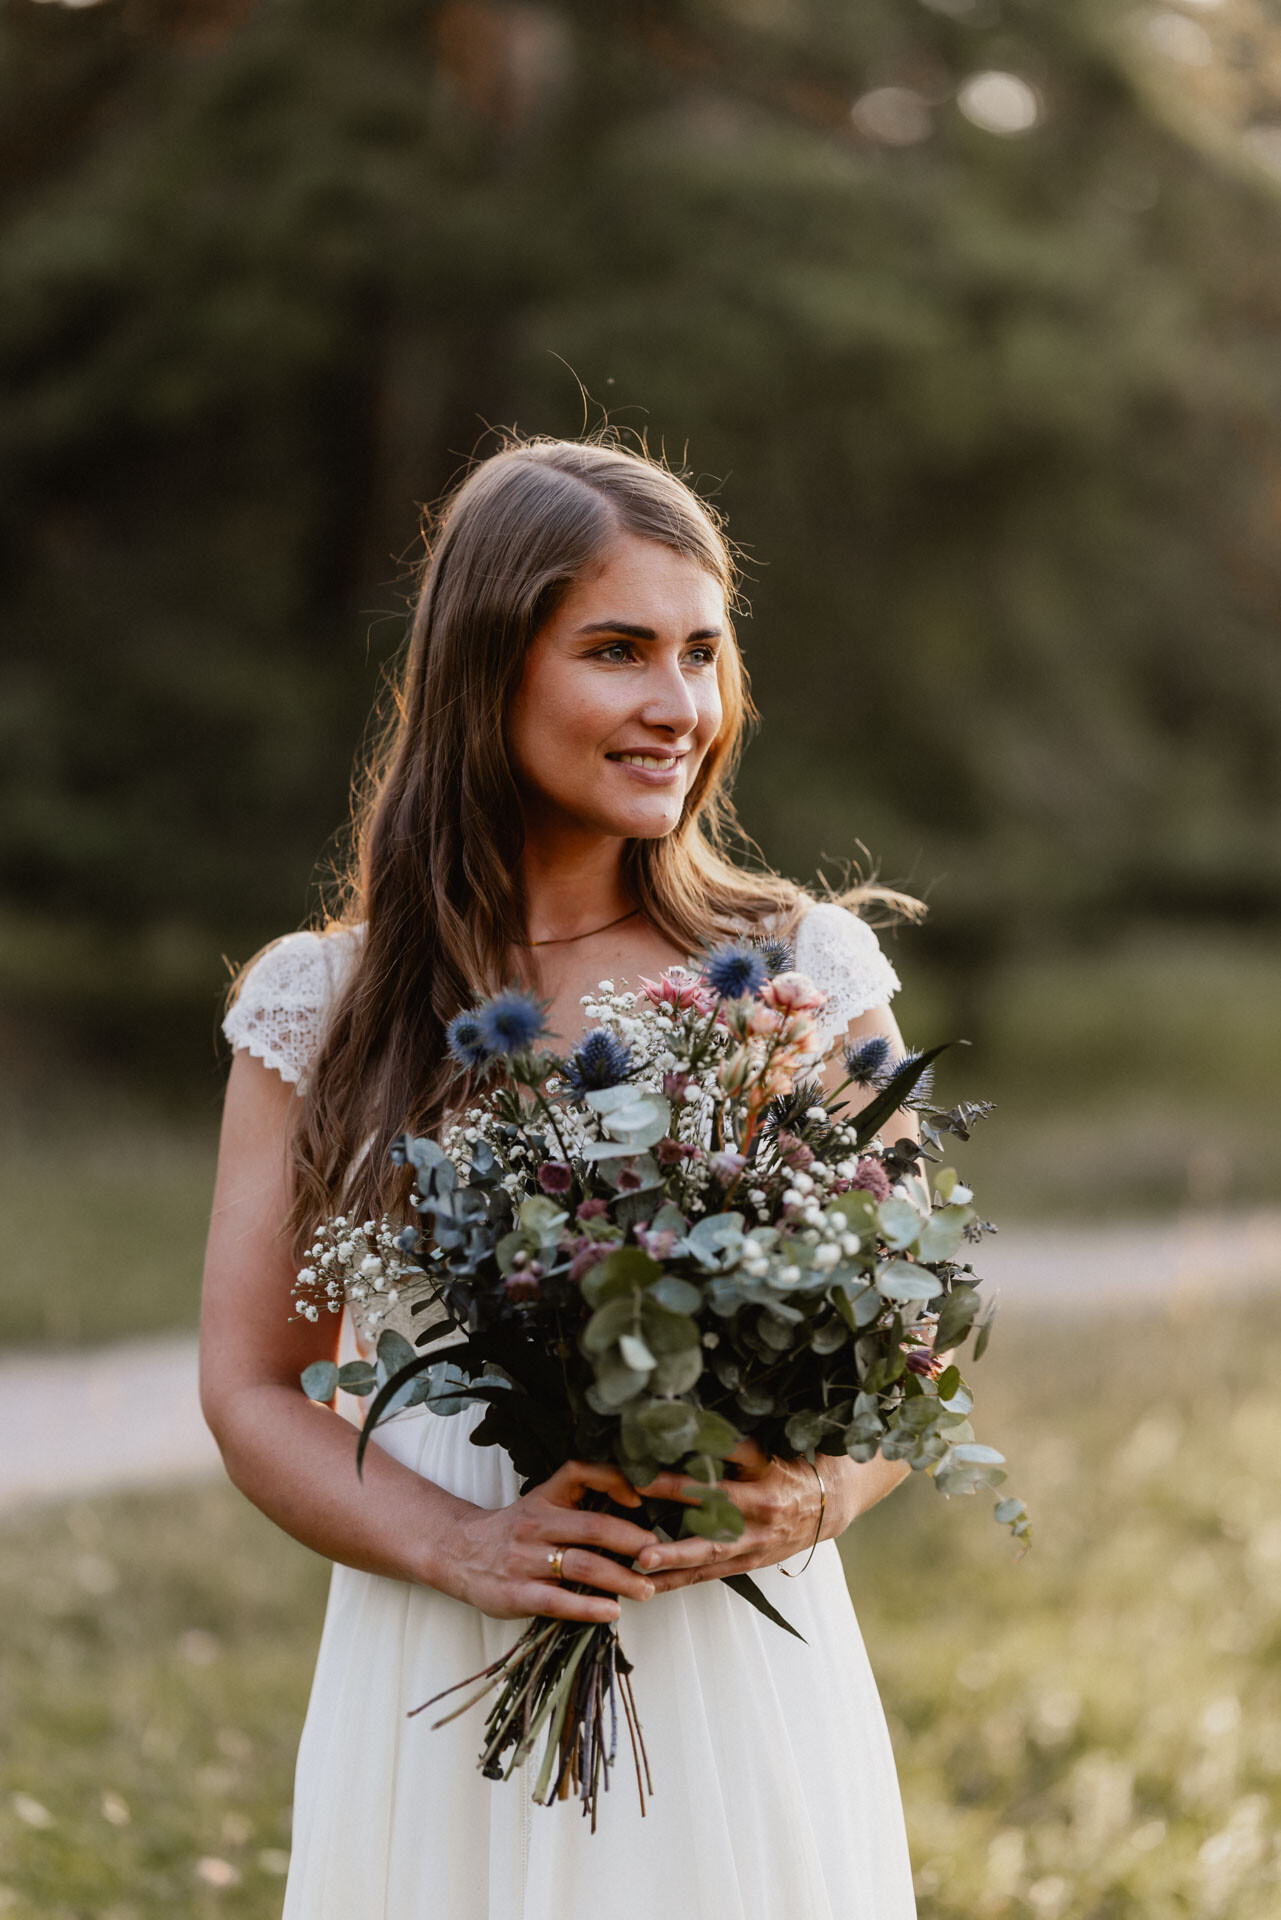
(865, 1063)
(599, 1060)
(732, 972)
(465, 1039)
(509, 1023)
(777, 956)
(924, 1088)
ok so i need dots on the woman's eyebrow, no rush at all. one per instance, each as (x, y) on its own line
(645, 633)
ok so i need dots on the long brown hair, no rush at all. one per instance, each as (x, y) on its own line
(437, 828)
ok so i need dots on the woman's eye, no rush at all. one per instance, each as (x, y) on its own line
(616, 648)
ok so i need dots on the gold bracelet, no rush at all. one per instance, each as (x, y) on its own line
(822, 1508)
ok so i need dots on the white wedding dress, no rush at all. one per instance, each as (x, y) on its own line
(775, 1794)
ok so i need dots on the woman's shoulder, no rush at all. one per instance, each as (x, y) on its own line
(842, 956)
(286, 993)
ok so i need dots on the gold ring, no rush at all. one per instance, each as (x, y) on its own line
(554, 1562)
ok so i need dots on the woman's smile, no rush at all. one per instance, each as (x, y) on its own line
(620, 696)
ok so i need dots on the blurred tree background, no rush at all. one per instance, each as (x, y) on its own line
(965, 312)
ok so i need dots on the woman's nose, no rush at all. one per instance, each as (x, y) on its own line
(669, 700)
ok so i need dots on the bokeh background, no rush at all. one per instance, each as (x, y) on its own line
(966, 313)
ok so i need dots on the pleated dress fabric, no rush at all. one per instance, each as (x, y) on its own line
(775, 1792)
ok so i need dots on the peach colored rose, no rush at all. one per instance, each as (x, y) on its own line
(793, 993)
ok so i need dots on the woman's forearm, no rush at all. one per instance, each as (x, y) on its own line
(859, 1484)
(296, 1461)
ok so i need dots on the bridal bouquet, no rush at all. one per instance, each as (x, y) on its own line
(643, 1254)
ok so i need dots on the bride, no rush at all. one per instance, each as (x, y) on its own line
(549, 804)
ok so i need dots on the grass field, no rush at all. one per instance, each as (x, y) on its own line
(1090, 1733)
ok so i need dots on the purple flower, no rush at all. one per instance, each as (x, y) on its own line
(599, 1060)
(793, 1151)
(593, 1209)
(555, 1176)
(727, 1166)
(510, 1023)
(871, 1177)
(587, 1255)
(733, 972)
(629, 1179)
(670, 1153)
(865, 1062)
(465, 1039)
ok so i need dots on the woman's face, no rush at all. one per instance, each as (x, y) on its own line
(619, 700)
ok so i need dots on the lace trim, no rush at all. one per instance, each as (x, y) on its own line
(286, 997)
(842, 955)
(285, 1000)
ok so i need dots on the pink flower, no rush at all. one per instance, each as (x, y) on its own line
(761, 1021)
(793, 1152)
(594, 1209)
(670, 1153)
(555, 1176)
(657, 1242)
(677, 988)
(629, 1180)
(589, 1252)
(801, 1036)
(727, 1166)
(920, 1360)
(674, 1085)
(520, 1287)
(793, 993)
(871, 1177)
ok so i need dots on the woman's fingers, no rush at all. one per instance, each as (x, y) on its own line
(579, 1565)
(708, 1570)
(569, 1483)
(692, 1551)
(676, 1486)
(561, 1603)
(751, 1462)
(576, 1527)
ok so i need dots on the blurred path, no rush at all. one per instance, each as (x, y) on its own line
(1141, 1263)
(90, 1422)
(128, 1416)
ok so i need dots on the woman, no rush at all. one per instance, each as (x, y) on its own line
(549, 805)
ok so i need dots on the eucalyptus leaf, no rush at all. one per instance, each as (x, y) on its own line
(715, 1435)
(636, 1354)
(805, 1430)
(671, 1291)
(899, 1222)
(941, 1236)
(956, 1316)
(898, 1280)
(320, 1380)
(678, 1372)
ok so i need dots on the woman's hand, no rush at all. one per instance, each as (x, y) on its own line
(779, 1499)
(501, 1560)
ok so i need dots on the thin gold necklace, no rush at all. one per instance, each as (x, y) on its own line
(564, 939)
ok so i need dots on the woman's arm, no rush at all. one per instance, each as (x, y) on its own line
(297, 1461)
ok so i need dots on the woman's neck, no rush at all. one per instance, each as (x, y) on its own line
(573, 886)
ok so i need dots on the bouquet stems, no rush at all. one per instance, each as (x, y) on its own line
(565, 1681)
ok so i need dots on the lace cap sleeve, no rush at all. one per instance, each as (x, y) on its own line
(286, 997)
(842, 955)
